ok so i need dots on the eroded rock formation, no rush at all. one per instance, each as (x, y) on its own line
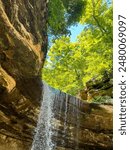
(87, 124)
(23, 42)
(72, 124)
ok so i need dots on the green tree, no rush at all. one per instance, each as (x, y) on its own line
(60, 70)
(56, 21)
(63, 14)
(71, 64)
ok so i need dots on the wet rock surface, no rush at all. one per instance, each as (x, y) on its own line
(89, 125)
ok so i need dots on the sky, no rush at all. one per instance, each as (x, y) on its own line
(75, 31)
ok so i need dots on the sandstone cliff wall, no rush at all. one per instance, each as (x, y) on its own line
(23, 42)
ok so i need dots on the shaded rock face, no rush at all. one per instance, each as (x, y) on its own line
(66, 123)
(23, 44)
(95, 88)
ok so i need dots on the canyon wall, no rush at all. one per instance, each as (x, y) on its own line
(23, 46)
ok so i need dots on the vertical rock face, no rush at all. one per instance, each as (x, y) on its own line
(67, 123)
(23, 42)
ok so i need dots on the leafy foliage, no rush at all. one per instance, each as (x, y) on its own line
(63, 14)
(56, 20)
(71, 64)
(103, 99)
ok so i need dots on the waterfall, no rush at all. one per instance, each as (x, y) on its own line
(58, 121)
(43, 136)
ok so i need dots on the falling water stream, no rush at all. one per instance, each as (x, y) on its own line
(54, 126)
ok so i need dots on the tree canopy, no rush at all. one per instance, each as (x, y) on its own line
(71, 64)
(63, 14)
